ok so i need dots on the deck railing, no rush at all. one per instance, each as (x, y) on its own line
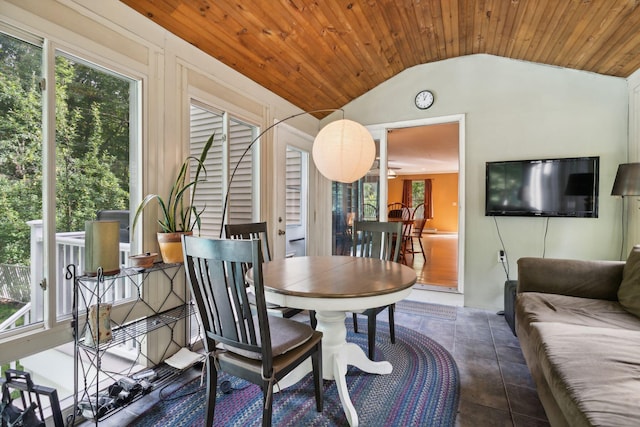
(69, 249)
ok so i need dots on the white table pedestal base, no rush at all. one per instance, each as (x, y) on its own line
(337, 354)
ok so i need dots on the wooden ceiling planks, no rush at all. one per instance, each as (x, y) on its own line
(284, 44)
(323, 54)
(338, 33)
(619, 54)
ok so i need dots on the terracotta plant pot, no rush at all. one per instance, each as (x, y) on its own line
(143, 260)
(171, 246)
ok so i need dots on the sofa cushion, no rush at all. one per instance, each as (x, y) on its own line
(579, 278)
(593, 373)
(629, 291)
(540, 307)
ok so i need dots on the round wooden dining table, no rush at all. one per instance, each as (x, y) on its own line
(333, 286)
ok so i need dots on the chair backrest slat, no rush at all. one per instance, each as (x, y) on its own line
(216, 274)
(418, 212)
(377, 240)
(398, 210)
(248, 231)
(419, 226)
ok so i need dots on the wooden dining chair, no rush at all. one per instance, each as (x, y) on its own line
(394, 210)
(248, 231)
(416, 233)
(398, 210)
(258, 231)
(377, 240)
(369, 212)
(259, 348)
(418, 212)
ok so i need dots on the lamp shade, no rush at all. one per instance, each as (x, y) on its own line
(344, 151)
(102, 247)
(627, 182)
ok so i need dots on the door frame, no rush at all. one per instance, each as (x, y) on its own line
(286, 135)
(379, 132)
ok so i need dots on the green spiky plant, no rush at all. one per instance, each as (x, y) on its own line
(179, 214)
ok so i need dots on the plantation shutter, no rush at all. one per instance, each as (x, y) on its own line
(294, 186)
(240, 205)
(210, 194)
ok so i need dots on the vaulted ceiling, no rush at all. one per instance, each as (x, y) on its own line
(324, 53)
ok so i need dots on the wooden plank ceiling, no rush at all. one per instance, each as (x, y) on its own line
(324, 53)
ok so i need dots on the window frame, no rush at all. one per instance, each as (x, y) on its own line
(53, 330)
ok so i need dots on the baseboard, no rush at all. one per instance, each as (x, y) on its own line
(436, 297)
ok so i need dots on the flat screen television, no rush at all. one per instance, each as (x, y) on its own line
(547, 187)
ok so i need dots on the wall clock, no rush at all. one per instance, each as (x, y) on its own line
(424, 99)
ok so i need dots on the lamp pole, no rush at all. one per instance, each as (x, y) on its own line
(251, 144)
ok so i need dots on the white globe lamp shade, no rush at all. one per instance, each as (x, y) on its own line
(344, 151)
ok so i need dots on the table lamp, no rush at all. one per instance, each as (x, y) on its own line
(102, 247)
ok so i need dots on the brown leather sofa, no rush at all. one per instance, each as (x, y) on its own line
(581, 344)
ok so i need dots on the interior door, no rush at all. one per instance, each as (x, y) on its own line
(293, 204)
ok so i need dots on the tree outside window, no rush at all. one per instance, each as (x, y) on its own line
(91, 151)
(417, 193)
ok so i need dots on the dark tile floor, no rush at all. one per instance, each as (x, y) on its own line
(496, 387)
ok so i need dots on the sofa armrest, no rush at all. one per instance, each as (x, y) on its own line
(579, 278)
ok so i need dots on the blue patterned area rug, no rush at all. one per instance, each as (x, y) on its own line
(422, 390)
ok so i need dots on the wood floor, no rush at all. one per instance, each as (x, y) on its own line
(440, 268)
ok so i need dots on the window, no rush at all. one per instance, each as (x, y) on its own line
(205, 123)
(241, 200)
(93, 112)
(417, 193)
(357, 201)
(20, 178)
(84, 171)
(232, 137)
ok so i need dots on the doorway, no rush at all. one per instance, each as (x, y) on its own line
(293, 204)
(416, 152)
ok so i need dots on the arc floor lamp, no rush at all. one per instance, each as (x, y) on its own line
(627, 183)
(342, 151)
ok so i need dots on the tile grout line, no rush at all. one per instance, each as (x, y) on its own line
(504, 384)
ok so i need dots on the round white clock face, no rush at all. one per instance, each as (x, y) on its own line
(424, 99)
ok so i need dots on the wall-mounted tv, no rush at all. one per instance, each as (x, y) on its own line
(547, 187)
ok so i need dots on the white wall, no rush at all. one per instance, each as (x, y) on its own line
(517, 110)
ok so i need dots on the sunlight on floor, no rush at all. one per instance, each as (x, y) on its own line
(437, 274)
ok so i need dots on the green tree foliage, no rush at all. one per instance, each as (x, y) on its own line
(91, 148)
(102, 100)
(20, 147)
(417, 196)
(86, 181)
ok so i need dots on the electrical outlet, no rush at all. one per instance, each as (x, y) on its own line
(502, 257)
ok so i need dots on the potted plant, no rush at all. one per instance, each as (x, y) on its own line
(178, 213)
